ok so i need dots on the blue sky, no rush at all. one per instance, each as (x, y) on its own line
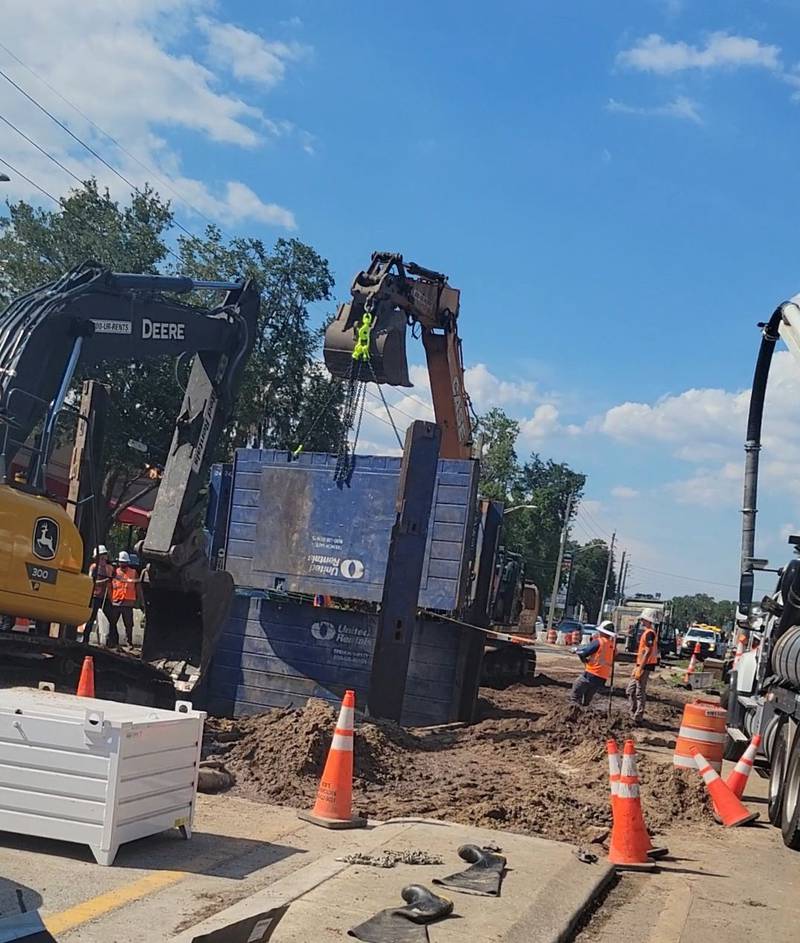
(611, 186)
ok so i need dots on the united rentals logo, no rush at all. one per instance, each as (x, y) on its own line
(45, 538)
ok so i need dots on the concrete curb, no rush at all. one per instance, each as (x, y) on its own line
(545, 923)
(554, 902)
(288, 889)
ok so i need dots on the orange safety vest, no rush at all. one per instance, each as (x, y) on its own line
(648, 648)
(123, 587)
(599, 664)
(101, 584)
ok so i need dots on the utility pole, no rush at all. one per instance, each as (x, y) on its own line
(618, 591)
(625, 575)
(608, 572)
(557, 578)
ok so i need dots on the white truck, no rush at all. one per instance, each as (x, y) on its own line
(764, 689)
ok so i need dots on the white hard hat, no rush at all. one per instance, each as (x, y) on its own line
(124, 556)
(99, 551)
(607, 628)
(650, 615)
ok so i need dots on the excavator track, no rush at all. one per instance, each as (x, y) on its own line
(29, 660)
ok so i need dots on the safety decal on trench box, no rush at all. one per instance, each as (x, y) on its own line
(326, 559)
(351, 645)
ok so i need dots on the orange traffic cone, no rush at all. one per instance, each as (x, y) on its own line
(630, 842)
(86, 680)
(334, 805)
(738, 776)
(614, 770)
(730, 809)
(631, 768)
(692, 663)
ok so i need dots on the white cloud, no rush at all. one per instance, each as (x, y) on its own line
(690, 419)
(681, 107)
(241, 203)
(710, 488)
(653, 53)
(131, 66)
(487, 390)
(544, 422)
(247, 55)
(706, 427)
(624, 492)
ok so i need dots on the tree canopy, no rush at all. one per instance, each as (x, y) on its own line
(702, 608)
(589, 565)
(287, 398)
(534, 532)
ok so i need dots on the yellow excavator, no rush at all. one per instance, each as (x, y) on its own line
(93, 315)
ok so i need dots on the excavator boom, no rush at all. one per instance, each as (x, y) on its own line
(397, 294)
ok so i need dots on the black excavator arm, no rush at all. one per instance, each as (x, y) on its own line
(92, 315)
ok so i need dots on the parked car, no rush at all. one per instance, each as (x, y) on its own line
(711, 643)
(570, 625)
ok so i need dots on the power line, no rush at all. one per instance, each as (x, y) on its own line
(678, 576)
(393, 405)
(585, 510)
(90, 149)
(587, 534)
(19, 173)
(105, 133)
(62, 204)
(41, 150)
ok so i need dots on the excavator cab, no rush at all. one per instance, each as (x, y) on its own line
(387, 361)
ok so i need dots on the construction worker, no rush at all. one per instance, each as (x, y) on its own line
(598, 657)
(101, 572)
(125, 597)
(646, 660)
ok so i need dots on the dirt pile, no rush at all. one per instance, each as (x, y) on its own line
(279, 755)
(531, 763)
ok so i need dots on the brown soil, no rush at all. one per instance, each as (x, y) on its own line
(531, 763)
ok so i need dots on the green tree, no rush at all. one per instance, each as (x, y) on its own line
(536, 533)
(533, 532)
(499, 465)
(588, 573)
(702, 608)
(285, 396)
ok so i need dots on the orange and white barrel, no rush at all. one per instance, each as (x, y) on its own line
(552, 636)
(702, 729)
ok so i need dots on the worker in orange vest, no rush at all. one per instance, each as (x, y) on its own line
(646, 661)
(101, 572)
(597, 657)
(125, 597)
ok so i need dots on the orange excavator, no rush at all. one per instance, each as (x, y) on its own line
(366, 342)
(367, 339)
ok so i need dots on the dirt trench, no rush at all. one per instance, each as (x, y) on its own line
(531, 763)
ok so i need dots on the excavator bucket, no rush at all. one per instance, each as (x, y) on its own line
(184, 625)
(387, 349)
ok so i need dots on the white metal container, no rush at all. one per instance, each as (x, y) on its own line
(96, 772)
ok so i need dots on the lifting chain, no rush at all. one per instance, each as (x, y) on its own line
(354, 397)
